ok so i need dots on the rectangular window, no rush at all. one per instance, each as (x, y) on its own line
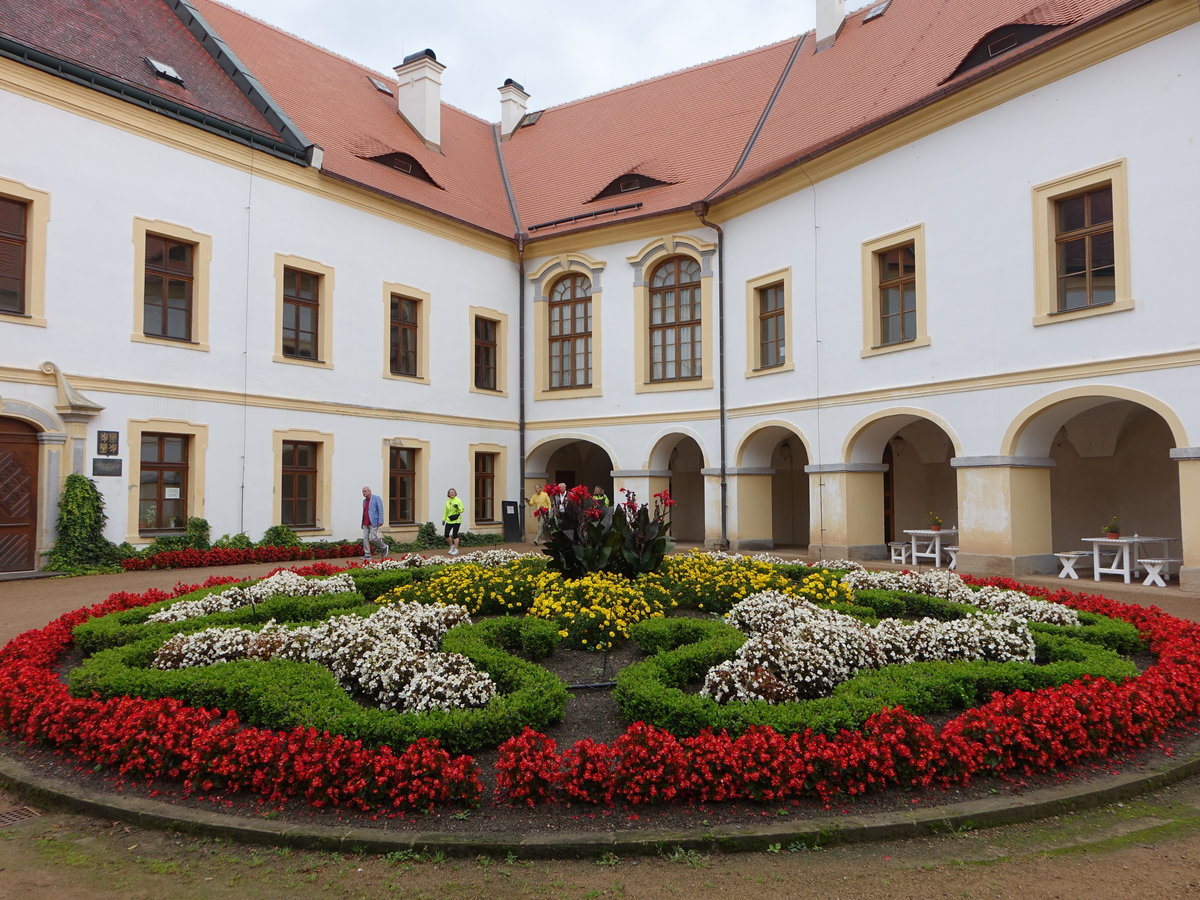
(402, 486)
(404, 325)
(14, 239)
(485, 353)
(771, 333)
(676, 332)
(485, 487)
(167, 301)
(897, 295)
(301, 314)
(298, 490)
(1084, 249)
(162, 495)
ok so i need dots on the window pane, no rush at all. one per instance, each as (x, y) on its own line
(1103, 255)
(174, 448)
(1073, 292)
(1072, 214)
(1100, 206)
(1072, 257)
(150, 447)
(12, 217)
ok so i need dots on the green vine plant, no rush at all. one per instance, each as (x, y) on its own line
(81, 546)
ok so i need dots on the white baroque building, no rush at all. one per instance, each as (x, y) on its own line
(928, 258)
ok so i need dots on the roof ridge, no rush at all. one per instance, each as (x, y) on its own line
(762, 48)
(361, 66)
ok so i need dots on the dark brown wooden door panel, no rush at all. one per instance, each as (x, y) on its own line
(18, 496)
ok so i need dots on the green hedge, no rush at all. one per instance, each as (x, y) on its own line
(283, 694)
(118, 629)
(654, 690)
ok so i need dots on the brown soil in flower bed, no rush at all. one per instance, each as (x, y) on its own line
(592, 712)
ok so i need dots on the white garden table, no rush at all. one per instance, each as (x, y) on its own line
(927, 543)
(1125, 552)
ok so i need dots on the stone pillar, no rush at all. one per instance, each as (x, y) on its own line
(750, 525)
(1189, 515)
(712, 507)
(846, 510)
(51, 475)
(1004, 515)
(645, 483)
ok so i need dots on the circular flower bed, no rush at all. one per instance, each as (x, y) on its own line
(217, 752)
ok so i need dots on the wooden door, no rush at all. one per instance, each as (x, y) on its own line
(18, 496)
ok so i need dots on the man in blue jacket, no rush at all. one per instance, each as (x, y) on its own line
(372, 518)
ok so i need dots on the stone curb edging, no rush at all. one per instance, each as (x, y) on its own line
(57, 793)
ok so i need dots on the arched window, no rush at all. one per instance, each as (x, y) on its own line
(675, 323)
(570, 332)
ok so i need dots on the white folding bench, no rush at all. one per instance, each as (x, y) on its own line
(952, 552)
(1069, 559)
(1157, 568)
(899, 550)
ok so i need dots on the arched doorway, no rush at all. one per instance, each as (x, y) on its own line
(913, 452)
(18, 495)
(1113, 459)
(772, 489)
(580, 462)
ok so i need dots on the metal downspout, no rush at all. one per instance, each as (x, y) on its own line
(700, 208)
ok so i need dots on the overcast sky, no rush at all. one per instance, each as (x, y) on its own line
(559, 51)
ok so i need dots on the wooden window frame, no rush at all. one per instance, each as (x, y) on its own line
(324, 460)
(395, 475)
(644, 262)
(695, 324)
(161, 467)
(33, 253)
(197, 451)
(289, 472)
(19, 241)
(543, 279)
(772, 351)
(143, 230)
(1046, 197)
(323, 306)
(501, 351)
(873, 283)
(780, 279)
(397, 329)
(294, 303)
(165, 276)
(423, 300)
(499, 478)
(484, 489)
(566, 345)
(487, 353)
(906, 284)
(1086, 233)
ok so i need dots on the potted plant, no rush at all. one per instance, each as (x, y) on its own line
(1113, 528)
(935, 522)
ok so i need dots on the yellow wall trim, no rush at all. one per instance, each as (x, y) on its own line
(258, 401)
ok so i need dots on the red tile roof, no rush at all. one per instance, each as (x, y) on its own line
(688, 128)
(334, 103)
(877, 69)
(113, 38)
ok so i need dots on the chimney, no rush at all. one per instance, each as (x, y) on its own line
(419, 95)
(830, 14)
(512, 106)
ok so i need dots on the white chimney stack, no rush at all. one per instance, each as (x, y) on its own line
(830, 15)
(419, 95)
(512, 106)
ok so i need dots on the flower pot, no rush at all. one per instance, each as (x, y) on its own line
(1112, 535)
(935, 527)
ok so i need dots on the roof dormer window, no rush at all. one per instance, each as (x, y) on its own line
(162, 70)
(999, 41)
(631, 181)
(403, 162)
(381, 85)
